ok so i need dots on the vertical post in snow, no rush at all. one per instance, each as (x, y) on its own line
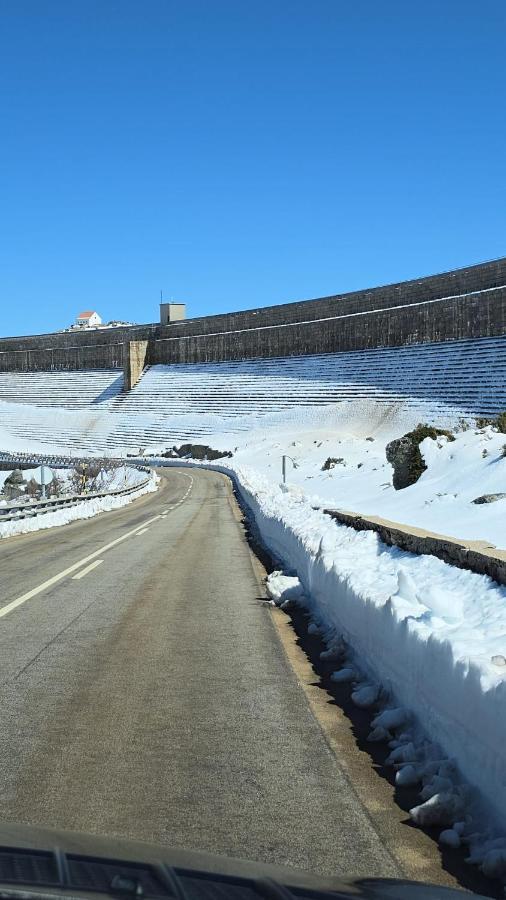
(294, 464)
(42, 482)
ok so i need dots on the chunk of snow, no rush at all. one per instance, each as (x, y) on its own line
(284, 588)
(343, 675)
(331, 655)
(437, 785)
(441, 809)
(365, 695)
(408, 775)
(450, 838)
(403, 753)
(391, 718)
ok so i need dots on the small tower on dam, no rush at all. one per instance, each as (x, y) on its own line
(172, 312)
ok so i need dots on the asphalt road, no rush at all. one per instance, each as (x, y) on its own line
(151, 698)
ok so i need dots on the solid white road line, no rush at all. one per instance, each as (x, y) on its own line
(85, 571)
(4, 610)
(142, 531)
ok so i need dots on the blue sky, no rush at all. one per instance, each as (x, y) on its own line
(242, 152)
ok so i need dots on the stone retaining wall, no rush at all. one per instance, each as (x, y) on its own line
(478, 556)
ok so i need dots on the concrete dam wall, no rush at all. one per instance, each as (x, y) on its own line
(465, 303)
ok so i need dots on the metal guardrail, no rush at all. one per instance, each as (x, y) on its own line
(22, 509)
(57, 461)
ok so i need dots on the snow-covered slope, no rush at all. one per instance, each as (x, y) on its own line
(69, 390)
(469, 375)
(311, 408)
(437, 382)
(457, 472)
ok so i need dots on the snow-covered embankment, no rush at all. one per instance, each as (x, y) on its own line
(418, 636)
(85, 509)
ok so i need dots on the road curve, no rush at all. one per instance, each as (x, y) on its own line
(150, 697)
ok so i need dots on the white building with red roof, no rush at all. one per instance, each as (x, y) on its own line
(88, 319)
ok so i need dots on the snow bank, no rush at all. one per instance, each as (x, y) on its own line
(84, 510)
(109, 479)
(119, 477)
(433, 636)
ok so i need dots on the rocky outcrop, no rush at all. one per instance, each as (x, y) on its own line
(405, 457)
(14, 485)
(197, 451)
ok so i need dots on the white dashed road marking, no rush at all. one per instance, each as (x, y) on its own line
(73, 568)
(85, 571)
(5, 610)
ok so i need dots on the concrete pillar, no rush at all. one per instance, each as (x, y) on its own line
(134, 362)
